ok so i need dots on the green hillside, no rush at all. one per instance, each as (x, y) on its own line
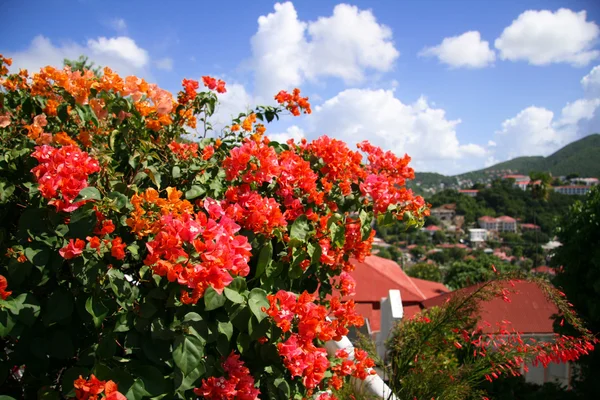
(581, 157)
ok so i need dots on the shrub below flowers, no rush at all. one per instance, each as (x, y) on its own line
(138, 264)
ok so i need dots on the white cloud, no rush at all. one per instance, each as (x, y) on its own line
(466, 50)
(120, 47)
(121, 54)
(417, 129)
(544, 37)
(118, 24)
(536, 131)
(491, 143)
(582, 109)
(166, 64)
(286, 51)
(292, 132)
(591, 82)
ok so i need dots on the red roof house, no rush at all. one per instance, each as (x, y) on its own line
(528, 311)
(376, 276)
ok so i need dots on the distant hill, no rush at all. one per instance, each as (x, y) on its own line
(581, 157)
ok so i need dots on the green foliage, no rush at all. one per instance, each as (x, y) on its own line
(83, 63)
(429, 272)
(578, 263)
(478, 269)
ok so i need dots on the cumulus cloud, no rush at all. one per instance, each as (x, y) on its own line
(544, 37)
(166, 64)
(286, 50)
(420, 130)
(591, 82)
(121, 53)
(292, 132)
(463, 51)
(536, 130)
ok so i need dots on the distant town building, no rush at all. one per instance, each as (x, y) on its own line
(469, 192)
(431, 229)
(500, 224)
(530, 227)
(517, 178)
(444, 213)
(585, 181)
(578, 190)
(477, 235)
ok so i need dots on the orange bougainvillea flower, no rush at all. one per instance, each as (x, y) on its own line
(3, 285)
(112, 393)
(88, 389)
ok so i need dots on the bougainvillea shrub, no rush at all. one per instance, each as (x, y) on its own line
(136, 264)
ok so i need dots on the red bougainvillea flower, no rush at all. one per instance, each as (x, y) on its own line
(214, 84)
(3, 285)
(112, 392)
(252, 162)
(62, 173)
(118, 248)
(184, 151)
(88, 389)
(293, 102)
(236, 384)
(73, 249)
(189, 86)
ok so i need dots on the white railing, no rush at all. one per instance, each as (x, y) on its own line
(391, 313)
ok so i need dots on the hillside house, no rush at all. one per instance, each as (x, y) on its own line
(584, 181)
(530, 227)
(377, 276)
(529, 313)
(444, 213)
(477, 235)
(500, 224)
(577, 190)
(469, 192)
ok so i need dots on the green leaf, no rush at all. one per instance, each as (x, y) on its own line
(96, 309)
(264, 259)
(195, 191)
(6, 323)
(119, 199)
(28, 308)
(176, 172)
(188, 352)
(212, 299)
(226, 328)
(38, 255)
(256, 301)
(61, 345)
(299, 231)
(88, 193)
(233, 296)
(365, 224)
(244, 342)
(188, 381)
(58, 307)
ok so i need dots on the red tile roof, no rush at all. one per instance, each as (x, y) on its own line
(506, 218)
(487, 218)
(544, 269)
(529, 226)
(529, 311)
(376, 276)
(468, 191)
(433, 228)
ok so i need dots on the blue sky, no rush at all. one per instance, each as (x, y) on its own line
(458, 85)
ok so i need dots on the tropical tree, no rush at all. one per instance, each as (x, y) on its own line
(577, 261)
(427, 271)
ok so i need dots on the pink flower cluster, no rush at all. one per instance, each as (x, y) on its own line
(62, 173)
(222, 253)
(238, 383)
